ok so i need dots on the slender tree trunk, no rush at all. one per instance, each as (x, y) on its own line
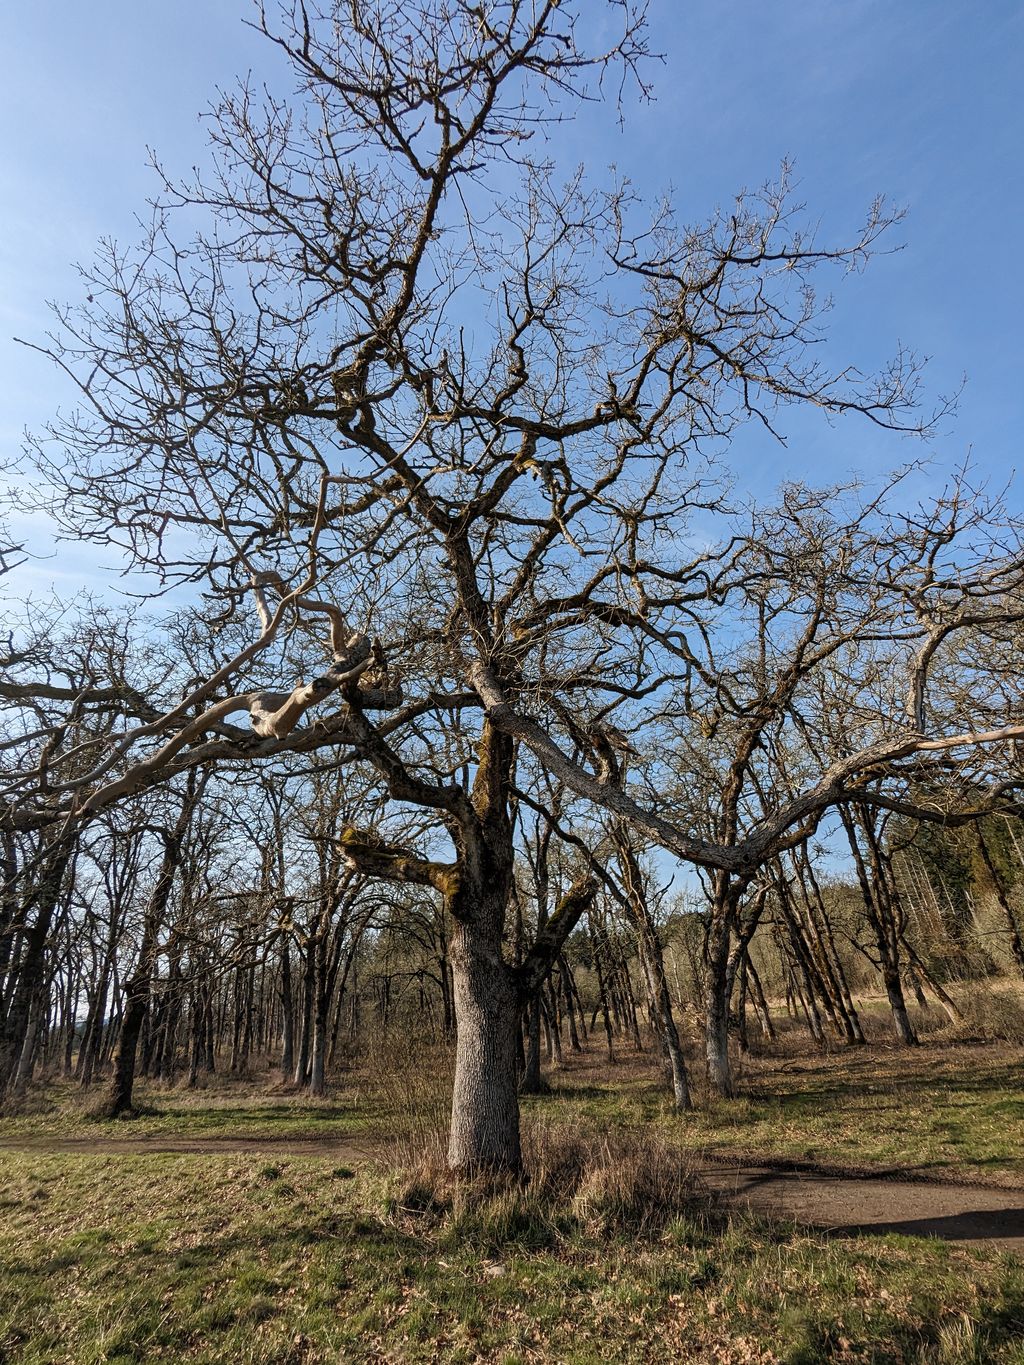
(882, 915)
(823, 928)
(570, 1008)
(716, 1016)
(30, 970)
(321, 1009)
(169, 1019)
(741, 1006)
(137, 989)
(287, 1013)
(9, 906)
(653, 959)
(306, 1025)
(898, 1004)
(581, 1013)
(532, 1083)
(806, 969)
(602, 995)
(23, 1073)
(554, 1028)
(444, 972)
(949, 1005)
(761, 1009)
(195, 1052)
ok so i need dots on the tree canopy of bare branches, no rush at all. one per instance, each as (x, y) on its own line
(431, 428)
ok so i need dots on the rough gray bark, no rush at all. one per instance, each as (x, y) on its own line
(716, 1007)
(485, 1103)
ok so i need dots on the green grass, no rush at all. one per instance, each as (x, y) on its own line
(938, 1109)
(948, 1107)
(945, 1108)
(286, 1257)
(230, 1110)
(213, 1258)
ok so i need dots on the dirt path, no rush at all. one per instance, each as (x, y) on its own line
(852, 1204)
(341, 1149)
(838, 1204)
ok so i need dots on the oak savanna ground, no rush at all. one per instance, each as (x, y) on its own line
(288, 1229)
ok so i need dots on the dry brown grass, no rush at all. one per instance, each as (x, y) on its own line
(993, 1009)
(604, 1182)
(408, 1086)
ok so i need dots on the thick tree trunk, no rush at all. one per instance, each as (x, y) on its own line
(489, 995)
(485, 1101)
(318, 1054)
(123, 1081)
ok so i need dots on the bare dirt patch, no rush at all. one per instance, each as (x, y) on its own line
(343, 1149)
(843, 1204)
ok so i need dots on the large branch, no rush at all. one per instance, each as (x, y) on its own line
(370, 855)
(231, 745)
(505, 717)
(776, 833)
(120, 697)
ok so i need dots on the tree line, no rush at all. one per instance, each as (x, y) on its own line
(176, 950)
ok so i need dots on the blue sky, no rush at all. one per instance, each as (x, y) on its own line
(919, 100)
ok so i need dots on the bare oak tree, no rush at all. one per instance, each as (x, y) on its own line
(437, 419)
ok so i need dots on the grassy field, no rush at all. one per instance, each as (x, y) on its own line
(249, 1109)
(954, 1109)
(610, 1254)
(936, 1110)
(224, 1258)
